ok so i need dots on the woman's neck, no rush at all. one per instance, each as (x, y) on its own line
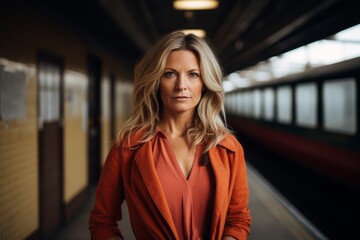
(175, 126)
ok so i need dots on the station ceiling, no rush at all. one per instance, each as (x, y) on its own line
(242, 32)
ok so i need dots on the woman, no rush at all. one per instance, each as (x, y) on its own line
(180, 170)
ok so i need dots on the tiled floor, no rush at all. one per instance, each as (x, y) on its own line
(272, 217)
(77, 229)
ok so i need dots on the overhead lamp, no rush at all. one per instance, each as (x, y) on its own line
(195, 4)
(198, 32)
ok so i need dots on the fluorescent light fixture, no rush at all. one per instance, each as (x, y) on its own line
(195, 4)
(198, 32)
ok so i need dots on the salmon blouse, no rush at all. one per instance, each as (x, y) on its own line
(190, 201)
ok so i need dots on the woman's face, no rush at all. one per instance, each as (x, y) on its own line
(181, 84)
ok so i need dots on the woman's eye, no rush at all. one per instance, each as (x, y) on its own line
(169, 74)
(194, 75)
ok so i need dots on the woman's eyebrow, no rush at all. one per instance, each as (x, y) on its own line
(191, 70)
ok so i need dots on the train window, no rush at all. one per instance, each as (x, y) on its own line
(339, 99)
(247, 104)
(235, 103)
(238, 105)
(241, 104)
(228, 102)
(306, 104)
(268, 102)
(231, 103)
(284, 104)
(257, 103)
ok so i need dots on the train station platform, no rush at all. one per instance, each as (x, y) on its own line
(273, 217)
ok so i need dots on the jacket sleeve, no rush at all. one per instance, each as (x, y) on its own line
(238, 218)
(108, 199)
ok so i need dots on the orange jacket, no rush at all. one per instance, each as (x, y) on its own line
(129, 173)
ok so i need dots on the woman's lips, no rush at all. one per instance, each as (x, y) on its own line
(181, 98)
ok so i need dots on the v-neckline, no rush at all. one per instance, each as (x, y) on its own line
(173, 159)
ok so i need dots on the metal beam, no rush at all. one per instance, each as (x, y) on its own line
(118, 11)
(282, 32)
(150, 20)
(240, 18)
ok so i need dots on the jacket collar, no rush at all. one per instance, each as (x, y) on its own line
(134, 141)
(229, 143)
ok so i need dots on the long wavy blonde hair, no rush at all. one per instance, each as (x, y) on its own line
(208, 126)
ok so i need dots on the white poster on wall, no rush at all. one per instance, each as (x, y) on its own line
(12, 94)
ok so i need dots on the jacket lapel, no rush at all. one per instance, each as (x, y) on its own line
(217, 157)
(221, 183)
(145, 162)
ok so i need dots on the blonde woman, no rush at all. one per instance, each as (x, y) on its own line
(180, 170)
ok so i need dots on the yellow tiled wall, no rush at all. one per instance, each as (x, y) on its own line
(75, 134)
(24, 32)
(18, 164)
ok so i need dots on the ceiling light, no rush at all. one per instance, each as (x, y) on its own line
(195, 4)
(198, 32)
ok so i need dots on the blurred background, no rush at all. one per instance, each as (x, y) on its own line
(292, 72)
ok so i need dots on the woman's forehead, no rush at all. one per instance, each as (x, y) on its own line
(182, 58)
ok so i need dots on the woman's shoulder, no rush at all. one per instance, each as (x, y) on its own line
(230, 142)
(132, 140)
(124, 148)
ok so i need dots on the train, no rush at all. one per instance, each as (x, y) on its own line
(311, 118)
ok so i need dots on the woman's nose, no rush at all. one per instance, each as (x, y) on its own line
(181, 82)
